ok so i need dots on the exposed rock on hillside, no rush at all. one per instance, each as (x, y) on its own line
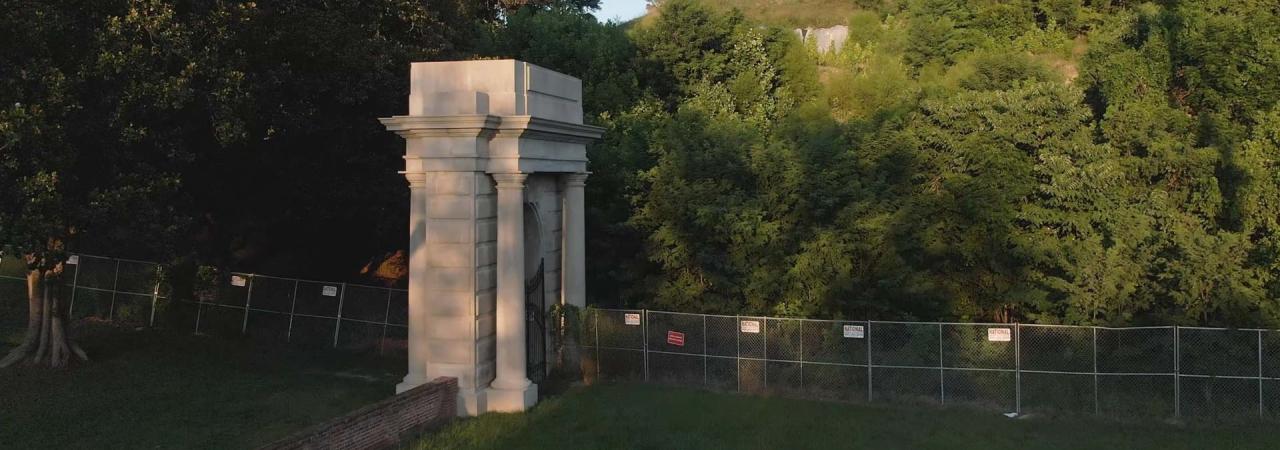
(827, 39)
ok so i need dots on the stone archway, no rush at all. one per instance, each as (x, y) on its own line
(479, 136)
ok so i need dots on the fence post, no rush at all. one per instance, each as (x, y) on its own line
(200, 302)
(71, 309)
(1097, 407)
(765, 363)
(1177, 373)
(293, 303)
(386, 318)
(942, 378)
(802, 321)
(644, 340)
(248, 303)
(337, 326)
(642, 347)
(867, 333)
(115, 285)
(737, 353)
(155, 295)
(1261, 414)
(1017, 367)
(704, 351)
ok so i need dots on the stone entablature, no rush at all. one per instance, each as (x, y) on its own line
(493, 144)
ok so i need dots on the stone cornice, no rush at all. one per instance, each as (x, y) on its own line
(487, 125)
(423, 126)
(549, 130)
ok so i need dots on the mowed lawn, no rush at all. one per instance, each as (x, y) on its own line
(149, 389)
(655, 417)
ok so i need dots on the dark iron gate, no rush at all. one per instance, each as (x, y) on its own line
(535, 308)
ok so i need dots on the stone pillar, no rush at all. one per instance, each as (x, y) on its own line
(417, 281)
(574, 266)
(511, 389)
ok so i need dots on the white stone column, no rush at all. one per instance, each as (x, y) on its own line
(511, 389)
(574, 266)
(418, 314)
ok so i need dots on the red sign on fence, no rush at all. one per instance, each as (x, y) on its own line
(675, 338)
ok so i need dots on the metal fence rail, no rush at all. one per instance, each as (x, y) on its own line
(306, 312)
(1184, 373)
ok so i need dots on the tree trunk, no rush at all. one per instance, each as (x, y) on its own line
(46, 340)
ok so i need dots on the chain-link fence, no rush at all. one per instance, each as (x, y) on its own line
(116, 289)
(1188, 373)
(1162, 372)
(309, 313)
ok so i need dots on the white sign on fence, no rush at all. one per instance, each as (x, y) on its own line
(631, 318)
(999, 334)
(750, 326)
(237, 280)
(74, 259)
(854, 331)
(329, 291)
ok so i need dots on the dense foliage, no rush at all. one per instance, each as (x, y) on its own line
(235, 132)
(1079, 161)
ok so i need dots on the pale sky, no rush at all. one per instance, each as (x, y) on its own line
(620, 10)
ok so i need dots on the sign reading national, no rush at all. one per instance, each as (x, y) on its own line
(750, 326)
(999, 334)
(675, 338)
(631, 318)
(329, 291)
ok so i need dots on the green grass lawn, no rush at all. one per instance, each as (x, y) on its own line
(655, 417)
(148, 389)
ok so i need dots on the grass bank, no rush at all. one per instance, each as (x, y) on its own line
(149, 389)
(654, 417)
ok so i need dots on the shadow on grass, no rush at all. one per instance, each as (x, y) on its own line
(156, 389)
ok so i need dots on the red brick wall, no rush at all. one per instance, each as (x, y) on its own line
(381, 424)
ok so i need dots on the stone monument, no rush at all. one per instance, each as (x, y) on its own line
(495, 156)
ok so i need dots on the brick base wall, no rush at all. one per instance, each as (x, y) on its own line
(382, 424)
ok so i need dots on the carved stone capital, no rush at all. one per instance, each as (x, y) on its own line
(510, 180)
(417, 180)
(576, 179)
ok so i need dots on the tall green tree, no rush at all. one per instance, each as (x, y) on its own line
(109, 103)
(138, 126)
